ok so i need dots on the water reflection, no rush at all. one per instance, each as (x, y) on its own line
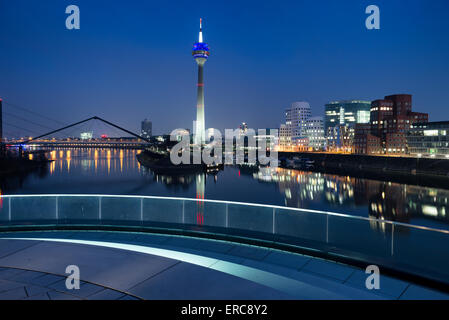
(383, 200)
(117, 171)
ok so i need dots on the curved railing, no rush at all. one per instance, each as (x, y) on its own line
(413, 250)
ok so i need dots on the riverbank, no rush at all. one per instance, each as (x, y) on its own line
(408, 170)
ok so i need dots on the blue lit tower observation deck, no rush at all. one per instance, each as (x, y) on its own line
(200, 53)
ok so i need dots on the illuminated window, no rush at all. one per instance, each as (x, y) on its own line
(430, 132)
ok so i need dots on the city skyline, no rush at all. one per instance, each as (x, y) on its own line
(308, 161)
(280, 54)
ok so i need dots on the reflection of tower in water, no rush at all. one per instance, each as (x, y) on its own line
(200, 188)
(182, 183)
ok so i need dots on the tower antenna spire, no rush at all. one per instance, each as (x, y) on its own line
(200, 39)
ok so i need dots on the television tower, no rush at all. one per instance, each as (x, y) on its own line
(200, 53)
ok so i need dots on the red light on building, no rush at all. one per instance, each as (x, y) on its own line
(104, 136)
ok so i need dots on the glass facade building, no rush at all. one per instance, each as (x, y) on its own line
(340, 120)
(429, 139)
(348, 112)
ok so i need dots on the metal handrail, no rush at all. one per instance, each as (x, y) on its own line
(328, 213)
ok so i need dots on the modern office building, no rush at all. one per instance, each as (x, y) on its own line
(293, 134)
(315, 133)
(88, 135)
(285, 138)
(146, 129)
(380, 109)
(429, 139)
(340, 120)
(340, 138)
(390, 121)
(346, 112)
(200, 53)
(296, 118)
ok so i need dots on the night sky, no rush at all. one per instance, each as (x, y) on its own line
(132, 59)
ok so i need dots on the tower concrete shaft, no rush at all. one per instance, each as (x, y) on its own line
(200, 124)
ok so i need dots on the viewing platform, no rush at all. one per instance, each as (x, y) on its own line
(135, 247)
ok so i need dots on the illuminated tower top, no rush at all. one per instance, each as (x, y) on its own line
(200, 37)
(200, 49)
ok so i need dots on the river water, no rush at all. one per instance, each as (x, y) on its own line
(113, 171)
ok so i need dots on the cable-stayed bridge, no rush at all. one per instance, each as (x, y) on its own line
(21, 120)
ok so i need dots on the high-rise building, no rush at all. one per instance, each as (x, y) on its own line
(341, 118)
(146, 129)
(346, 112)
(296, 118)
(315, 133)
(390, 120)
(200, 53)
(293, 134)
(380, 109)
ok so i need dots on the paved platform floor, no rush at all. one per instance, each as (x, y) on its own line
(118, 265)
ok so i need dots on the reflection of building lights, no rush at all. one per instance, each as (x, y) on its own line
(108, 157)
(121, 160)
(96, 160)
(430, 210)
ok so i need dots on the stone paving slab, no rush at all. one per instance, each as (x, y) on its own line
(336, 281)
(23, 289)
(391, 287)
(187, 280)
(108, 266)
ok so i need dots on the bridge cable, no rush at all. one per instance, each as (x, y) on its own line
(28, 121)
(18, 127)
(35, 113)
